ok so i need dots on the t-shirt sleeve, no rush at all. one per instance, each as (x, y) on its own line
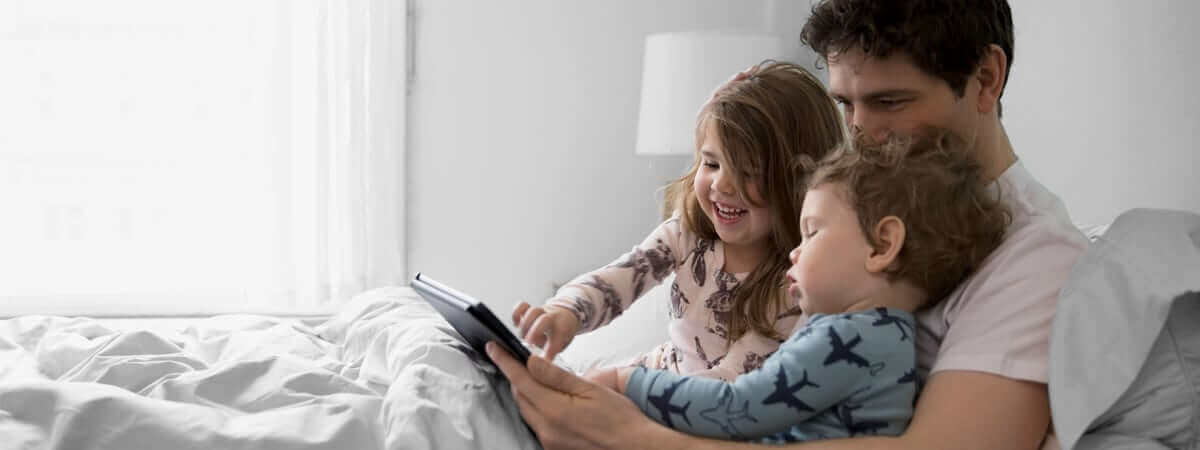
(813, 370)
(599, 296)
(1000, 320)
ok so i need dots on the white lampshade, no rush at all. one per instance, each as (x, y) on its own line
(680, 72)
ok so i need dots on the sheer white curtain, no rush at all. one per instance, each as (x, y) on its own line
(181, 157)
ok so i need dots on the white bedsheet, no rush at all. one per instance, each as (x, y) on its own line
(385, 372)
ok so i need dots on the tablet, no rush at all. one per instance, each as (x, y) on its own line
(471, 318)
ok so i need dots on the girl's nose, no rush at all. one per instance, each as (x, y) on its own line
(794, 255)
(720, 184)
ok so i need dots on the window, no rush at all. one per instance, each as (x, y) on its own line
(182, 157)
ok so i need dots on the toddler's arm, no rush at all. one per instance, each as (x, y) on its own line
(808, 374)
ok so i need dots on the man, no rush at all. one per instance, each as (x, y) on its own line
(895, 67)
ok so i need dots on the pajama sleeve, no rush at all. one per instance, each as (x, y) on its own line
(816, 368)
(599, 296)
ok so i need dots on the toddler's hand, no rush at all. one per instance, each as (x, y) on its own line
(613, 378)
(606, 377)
(538, 322)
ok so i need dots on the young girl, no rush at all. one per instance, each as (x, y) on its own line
(732, 223)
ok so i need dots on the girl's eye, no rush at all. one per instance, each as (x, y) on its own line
(810, 234)
(711, 165)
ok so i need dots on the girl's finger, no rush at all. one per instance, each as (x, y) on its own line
(519, 312)
(537, 334)
(530, 317)
(558, 343)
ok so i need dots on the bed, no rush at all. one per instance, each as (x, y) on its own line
(384, 372)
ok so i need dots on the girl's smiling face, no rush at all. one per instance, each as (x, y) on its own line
(737, 221)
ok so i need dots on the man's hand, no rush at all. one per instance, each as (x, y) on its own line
(568, 412)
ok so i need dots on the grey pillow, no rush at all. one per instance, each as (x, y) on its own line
(1125, 344)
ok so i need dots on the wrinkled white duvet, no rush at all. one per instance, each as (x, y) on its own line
(385, 372)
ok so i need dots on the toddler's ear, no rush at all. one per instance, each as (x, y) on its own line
(889, 239)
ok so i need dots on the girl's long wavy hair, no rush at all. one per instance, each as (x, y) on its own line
(774, 125)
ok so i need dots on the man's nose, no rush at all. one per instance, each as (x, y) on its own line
(870, 125)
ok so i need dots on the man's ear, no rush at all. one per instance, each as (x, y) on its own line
(889, 236)
(992, 73)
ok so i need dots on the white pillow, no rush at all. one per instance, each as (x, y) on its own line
(1125, 345)
(1092, 232)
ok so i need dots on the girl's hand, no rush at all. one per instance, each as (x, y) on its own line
(551, 328)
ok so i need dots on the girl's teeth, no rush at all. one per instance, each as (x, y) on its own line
(728, 213)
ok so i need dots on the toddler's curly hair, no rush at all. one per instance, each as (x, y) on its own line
(953, 219)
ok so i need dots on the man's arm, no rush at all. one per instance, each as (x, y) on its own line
(979, 410)
(957, 410)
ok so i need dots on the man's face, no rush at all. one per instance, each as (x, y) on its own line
(893, 96)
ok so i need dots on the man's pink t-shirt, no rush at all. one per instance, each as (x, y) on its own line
(998, 320)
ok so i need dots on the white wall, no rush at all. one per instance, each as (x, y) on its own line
(786, 17)
(1102, 104)
(523, 119)
(522, 125)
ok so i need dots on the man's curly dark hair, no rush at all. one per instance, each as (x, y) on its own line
(945, 38)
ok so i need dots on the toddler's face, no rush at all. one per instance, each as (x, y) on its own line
(828, 272)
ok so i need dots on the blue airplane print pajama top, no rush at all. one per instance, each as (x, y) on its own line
(841, 375)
